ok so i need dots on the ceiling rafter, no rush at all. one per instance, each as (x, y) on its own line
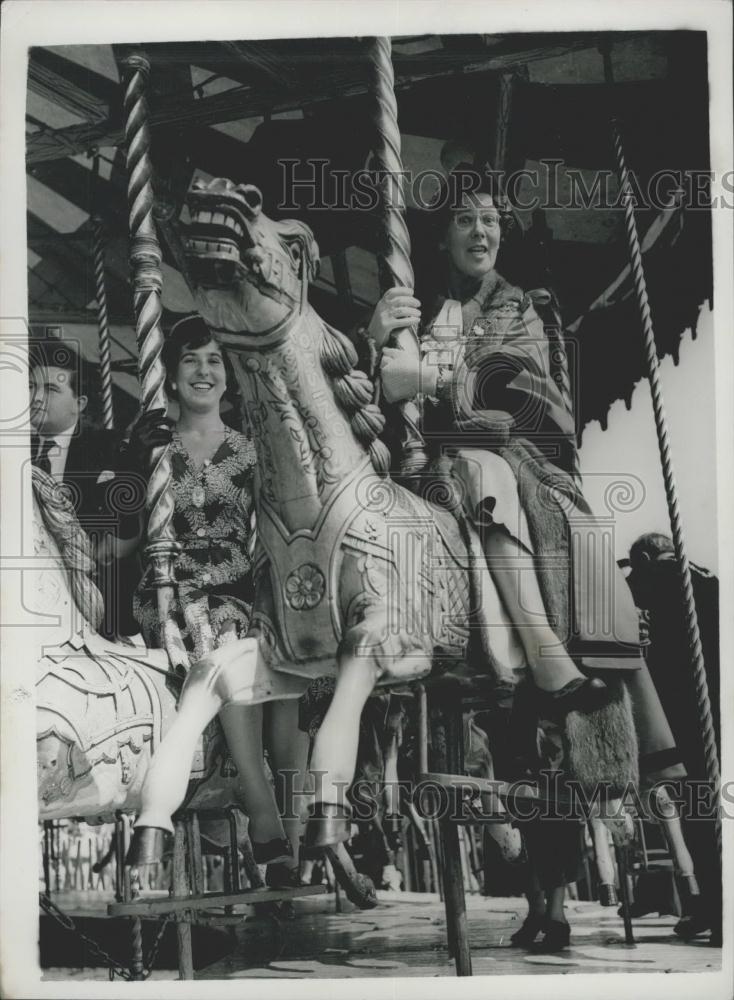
(98, 88)
(247, 103)
(261, 59)
(48, 84)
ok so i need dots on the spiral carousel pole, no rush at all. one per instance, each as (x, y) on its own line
(394, 263)
(105, 354)
(145, 258)
(703, 703)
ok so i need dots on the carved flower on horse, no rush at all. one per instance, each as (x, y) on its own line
(305, 587)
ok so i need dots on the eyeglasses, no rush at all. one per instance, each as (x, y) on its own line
(466, 220)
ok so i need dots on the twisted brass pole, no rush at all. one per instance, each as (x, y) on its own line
(105, 356)
(394, 261)
(145, 259)
(703, 702)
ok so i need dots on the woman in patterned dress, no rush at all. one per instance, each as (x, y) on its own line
(212, 480)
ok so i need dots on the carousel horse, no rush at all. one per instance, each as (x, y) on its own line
(102, 707)
(356, 577)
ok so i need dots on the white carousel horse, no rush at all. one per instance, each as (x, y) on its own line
(103, 708)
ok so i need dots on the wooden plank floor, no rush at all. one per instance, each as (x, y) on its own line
(405, 936)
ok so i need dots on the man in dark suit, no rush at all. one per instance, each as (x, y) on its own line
(84, 460)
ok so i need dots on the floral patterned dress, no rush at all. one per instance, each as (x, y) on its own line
(213, 507)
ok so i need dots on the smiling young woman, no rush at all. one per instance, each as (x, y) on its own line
(212, 480)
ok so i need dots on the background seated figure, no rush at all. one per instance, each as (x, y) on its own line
(656, 588)
(83, 458)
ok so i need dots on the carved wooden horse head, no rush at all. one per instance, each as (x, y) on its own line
(251, 273)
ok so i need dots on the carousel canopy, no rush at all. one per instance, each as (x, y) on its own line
(242, 109)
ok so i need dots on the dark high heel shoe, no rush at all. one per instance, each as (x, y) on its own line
(583, 694)
(525, 935)
(280, 876)
(272, 851)
(556, 938)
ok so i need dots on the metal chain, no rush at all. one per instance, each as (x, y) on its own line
(96, 950)
(155, 948)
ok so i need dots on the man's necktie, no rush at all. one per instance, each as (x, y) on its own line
(42, 461)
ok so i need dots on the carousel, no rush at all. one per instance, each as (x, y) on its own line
(220, 178)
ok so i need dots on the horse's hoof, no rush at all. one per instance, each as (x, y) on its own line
(358, 888)
(146, 845)
(608, 894)
(328, 823)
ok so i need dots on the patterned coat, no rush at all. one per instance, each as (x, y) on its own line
(500, 422)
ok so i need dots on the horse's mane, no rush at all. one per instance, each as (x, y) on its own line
(353, 389)
(354, 392)
(73, 543)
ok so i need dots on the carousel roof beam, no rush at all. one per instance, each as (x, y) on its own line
(80, 186)
(499, 58)
(254, 102)
(99, 89)
(48, 84)
(267, 65)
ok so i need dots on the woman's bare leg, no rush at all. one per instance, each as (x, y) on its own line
(170, 768)
(289, 755)
(554, 899)
(602, 851)
(243, 726)
(334, 757)
(513, 571)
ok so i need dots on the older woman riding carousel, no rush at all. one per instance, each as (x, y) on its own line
(495, 419)
(493, 410)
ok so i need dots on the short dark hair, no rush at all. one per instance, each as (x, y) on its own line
(52, 352)
(189, 334)
(649, 546)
